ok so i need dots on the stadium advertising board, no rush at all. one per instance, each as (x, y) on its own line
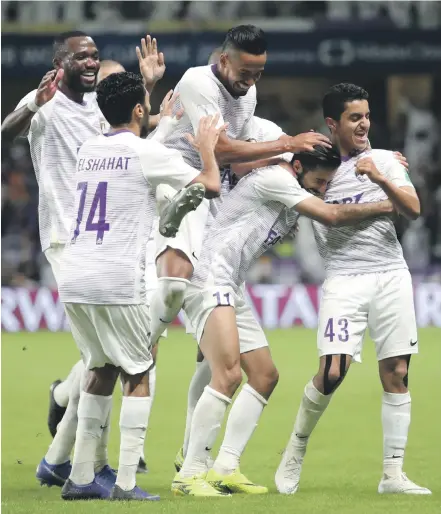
(291, 54)
(275, 306)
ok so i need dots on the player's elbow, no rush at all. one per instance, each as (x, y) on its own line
(331, 217)
(7, 134)
(212, 189)
(415, 211)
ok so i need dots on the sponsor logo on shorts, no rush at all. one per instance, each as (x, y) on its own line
(413, 343)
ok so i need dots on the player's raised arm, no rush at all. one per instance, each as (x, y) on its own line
(397, 186)
(205, 142)
(232, 151)
(151, 62)
(18, 122)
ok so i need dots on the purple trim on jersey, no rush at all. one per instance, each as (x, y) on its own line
(110, 134)
(346, 158)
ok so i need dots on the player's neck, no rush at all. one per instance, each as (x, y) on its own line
(217, 73)
(72, 95)
(346, 153)
(130, 127)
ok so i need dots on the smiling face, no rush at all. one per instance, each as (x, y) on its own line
(352, 130)
(241, 70)
(316, 181)
(81, 64)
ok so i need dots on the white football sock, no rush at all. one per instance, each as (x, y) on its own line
(92, 414)
(395, 415)
(62, 444)
(207, 420)
(152, 389)
(152, 382)
(133, 424)
(199, 380)
(165, 304)
(63, 390)
(102, 458)
(242, 421)
(312, 406)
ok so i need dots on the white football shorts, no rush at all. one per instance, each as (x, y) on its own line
(199, 303)
(112, 334)
(382, 302)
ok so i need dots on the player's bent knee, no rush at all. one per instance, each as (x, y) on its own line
(264, 383)
(394, 371)
(174, 263)
(334, 372)
(227, 380)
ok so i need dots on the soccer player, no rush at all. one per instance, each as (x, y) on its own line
(67, 392)
(261, 209)
(261, 130)
(57, 118)
(368, 285)
(106, 306)
(228, 89)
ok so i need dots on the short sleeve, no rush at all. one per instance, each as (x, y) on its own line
(161, 165)
(199, 96)
(26, 99)
(398, 174)
(277, 184)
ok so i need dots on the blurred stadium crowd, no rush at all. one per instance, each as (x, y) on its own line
(406, 114)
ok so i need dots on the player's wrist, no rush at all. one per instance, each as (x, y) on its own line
(33, 106)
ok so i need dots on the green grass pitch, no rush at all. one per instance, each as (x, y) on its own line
(343, 464)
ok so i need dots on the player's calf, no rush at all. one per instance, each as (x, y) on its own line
(167, 301)
(316, 397)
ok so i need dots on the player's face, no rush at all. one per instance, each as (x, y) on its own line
(353, 128)
(81, 64)
(317, 181)
(241, 70)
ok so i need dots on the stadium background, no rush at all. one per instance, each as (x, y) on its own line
(393, 49)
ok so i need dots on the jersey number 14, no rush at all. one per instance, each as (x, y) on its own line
(98, 203)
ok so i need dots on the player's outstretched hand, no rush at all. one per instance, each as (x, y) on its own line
(366, 166)
(168, 105)
(305, 142)
(48, 86)
(208, 133)
(151, 62)
(401, 159)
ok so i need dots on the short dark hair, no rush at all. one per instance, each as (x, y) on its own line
(246, 38)
(118, 94)
(320, 157)
(336, 97)
(59, 46)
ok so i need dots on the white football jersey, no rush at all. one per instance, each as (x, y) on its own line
(261, 130)
(57, 131)
(372, 245)
(258, 213)
(116, 175)
(201, 94)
